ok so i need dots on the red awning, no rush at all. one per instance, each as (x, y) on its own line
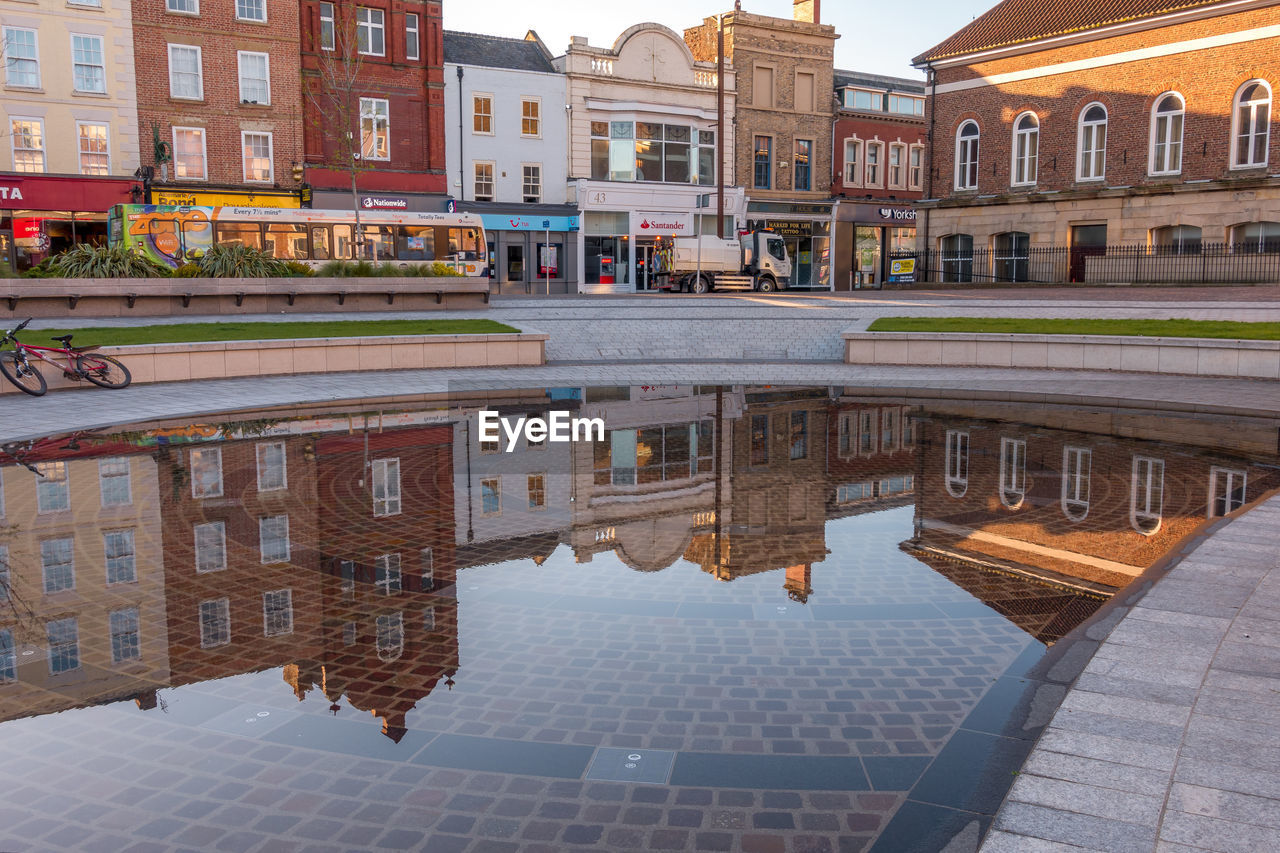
(77, 193)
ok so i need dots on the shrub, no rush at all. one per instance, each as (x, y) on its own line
(188, 270)
(298, 269)
(237, 261)
(443, 269)
(389, 269)
(118, 261)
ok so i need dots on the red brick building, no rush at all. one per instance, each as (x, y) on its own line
(394, 109)
(1081, 124)
(219, 97)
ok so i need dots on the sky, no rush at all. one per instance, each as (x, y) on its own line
(877, 37)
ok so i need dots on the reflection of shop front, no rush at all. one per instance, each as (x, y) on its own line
(184, 197)
(867, 235)
(42, 215)
(393, 201)
(627, 226)
(806, 228)
(532, 248)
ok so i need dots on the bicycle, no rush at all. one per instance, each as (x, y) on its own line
(81, 363)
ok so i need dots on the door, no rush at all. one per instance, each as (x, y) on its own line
(1086, 240)
(866, 257)
(646, 265)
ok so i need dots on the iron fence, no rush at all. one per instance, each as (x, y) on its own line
(1205, 263)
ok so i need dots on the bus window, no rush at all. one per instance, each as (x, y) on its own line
(343, 247)
(320, 242)
(415, 243)
(197, 238)
(240, 233)
(287, 242)
(464, 244)
(378, 243)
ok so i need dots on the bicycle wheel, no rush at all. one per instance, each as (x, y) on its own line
(20, 372)
(103, 370)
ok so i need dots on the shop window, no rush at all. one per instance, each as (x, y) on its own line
(1251, 125)
(1146, 494)
(185, 7)
(186, 74)
(549, 256)
(326, 26)
(1011, 255)
(375, 129)
(853, 162)
(1013, 472)
(763, 163)
(916, 170)
(530, 117)
(957, 257)
(95, 153)
(188, 153)
(88, 68)
(875, 175)
(1256, 237)
(371, 31)
(1076, 473)
(251, 10)
(897, 165)
(967, 138)
(1026, 149)
(255, 77)
(957, 463)
(1166, 134)
(22, 58)
(27, 135)
(257, 157)
(532, 175)
(803, 164)
(1176, 240)
(1092, 145)
(411, 45)
(1227, 488)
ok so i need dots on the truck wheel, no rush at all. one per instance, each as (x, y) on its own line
(766, 285)
(699, 284)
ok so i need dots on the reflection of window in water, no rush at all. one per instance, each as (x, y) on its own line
(64, 645)
(957, 462)
(1146, 494)
(427, 561)
(206, 473)
(1013, 471)
(277, 613)
(490, 496)
(759, 439)
(1077, 465)
(654, 454)
(52, 493)
(386, 573)
(390, 636)
(124, 635)
(215, 623)
(799, 435)
(1227, 485)
(211, 546)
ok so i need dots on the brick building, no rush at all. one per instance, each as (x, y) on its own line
(783, 125)
(1082, 125)
(219, 103)
(392, 56)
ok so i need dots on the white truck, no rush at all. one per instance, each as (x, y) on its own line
(756, 260)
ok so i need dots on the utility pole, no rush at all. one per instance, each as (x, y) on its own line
(720, 128)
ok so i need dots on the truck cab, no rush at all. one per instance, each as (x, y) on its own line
(764, 257)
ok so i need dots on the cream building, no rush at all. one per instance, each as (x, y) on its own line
(642, 150)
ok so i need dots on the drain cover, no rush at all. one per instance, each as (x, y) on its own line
(632, 765)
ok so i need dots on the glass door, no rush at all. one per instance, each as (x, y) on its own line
(866, 257)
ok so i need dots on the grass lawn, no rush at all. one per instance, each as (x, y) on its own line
(1137, 328)
(181, 333)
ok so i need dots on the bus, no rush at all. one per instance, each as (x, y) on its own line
(177, 235)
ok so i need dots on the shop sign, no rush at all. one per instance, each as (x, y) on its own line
(790, 227)
(786, 208)
(902, 270)
(502, 222)
(10, 192)
(377, 202)
(25, 228)
(182, 198)
(897, 214)
(654, 224)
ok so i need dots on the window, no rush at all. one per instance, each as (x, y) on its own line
(124, 635)
(1012, 256)
(375, 129)
(28, 144)
(1226, 490)
(95, 153)
(257, 164)
(759, 439)
(482, 114)
(537, 491)
(88, 69)
(916, 170)
(1256, 237)
(1013, 472)
(852, 162)
(210, 546)
(1076, 465)
(215, 623)
(661, 152)
(273, 539)
(272, 469)
(804, 92)
(277, 613)
(1176, 240)
(386, 487)
(957, 462)
(897, 166)
(117, 546)
(390, 636)
(532, 184)
(255, 77)
(967, 156)
(427, 561)
(188, 153)
(905, 105)
(957, 257)
(490, 496)
(57, 564)
(888, 430)
(799, 435)
(860, 100)
(803, 164)
(370, 31)
(1166, 134)
(186, 7)
(21, 58)
(484, 182)
(1092, 165)
(64, 645)
(1026, 149)
(186, 78)
(386, 573)
(8, 657)
(762, 86)
(52, 492)
(1146, 494)
(874, 164)
(326, 26)
(410, 36)
(206, 472)
(867, 432)
(5, 577)
(1251, 125)
(251, 10)
(530, 117)
(764, 163)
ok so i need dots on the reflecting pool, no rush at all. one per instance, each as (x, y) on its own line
(747, 618)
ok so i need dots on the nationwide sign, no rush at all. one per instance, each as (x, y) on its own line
(374, 202)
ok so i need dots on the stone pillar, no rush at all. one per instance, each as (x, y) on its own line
(809, 11)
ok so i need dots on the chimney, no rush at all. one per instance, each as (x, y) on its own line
(809, 11)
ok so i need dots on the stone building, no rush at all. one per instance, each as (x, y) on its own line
(1086, 125)
(783, 125)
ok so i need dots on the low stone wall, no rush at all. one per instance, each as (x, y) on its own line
(1187, 356)
(162, 297)
(178, 362)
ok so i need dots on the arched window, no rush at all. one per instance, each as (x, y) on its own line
(852, 163)
(1076, 470)
(1013, 472)
(1093, 144)
(1146, 494)
(1011, 255)
(1166, 134)
(957, 463)
(1251, 125)
(957, 257)
(1026, 149)
(1176, 239)
(1256, 237)
(967, 156)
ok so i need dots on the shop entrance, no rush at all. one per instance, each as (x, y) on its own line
(866, 257)
(646, 263)
(1086, 240)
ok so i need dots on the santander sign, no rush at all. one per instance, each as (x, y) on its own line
(674, 225)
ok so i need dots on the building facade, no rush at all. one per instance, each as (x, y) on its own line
(71, 119)
(783, 126)
(373, 103)
(1141, 124)
(506, 153)
(642, 152)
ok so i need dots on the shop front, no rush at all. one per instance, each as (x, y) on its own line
(806, 228)
(43, 215)
(869, 237)
(532, 251)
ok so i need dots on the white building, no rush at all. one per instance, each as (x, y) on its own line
(642, 134)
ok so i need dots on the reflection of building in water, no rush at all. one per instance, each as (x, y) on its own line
(871, 456)
(82, 594)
